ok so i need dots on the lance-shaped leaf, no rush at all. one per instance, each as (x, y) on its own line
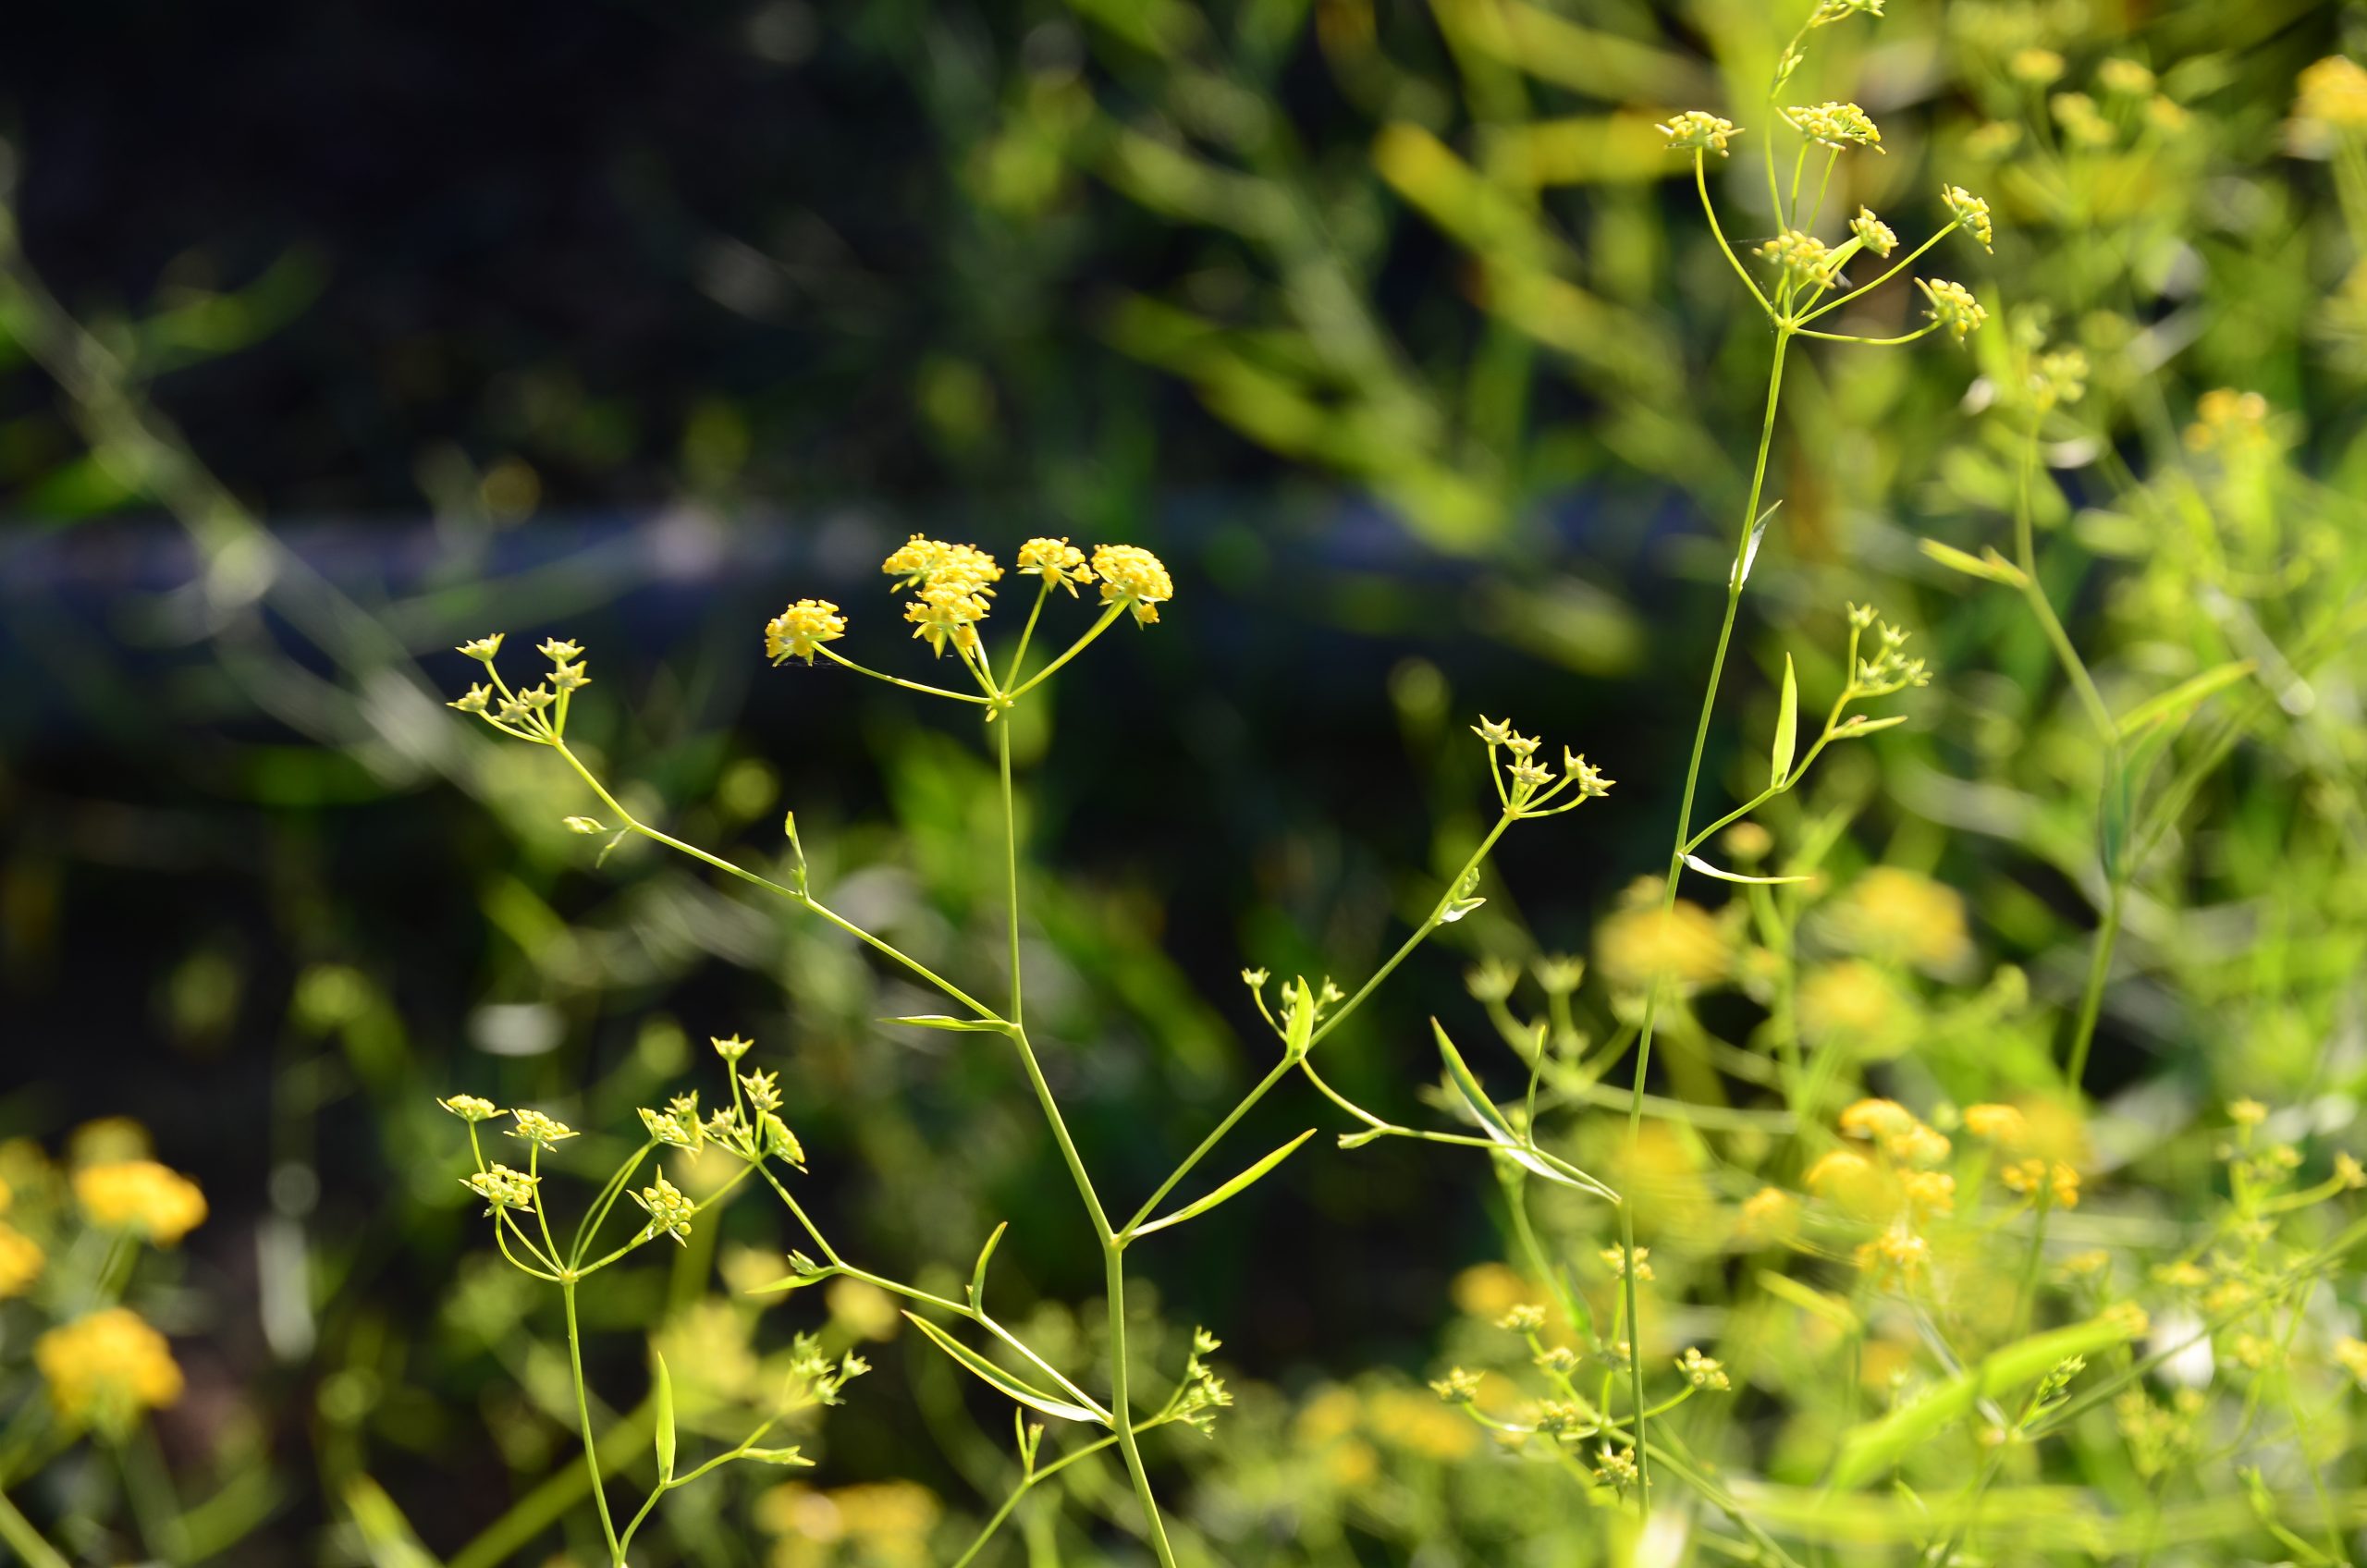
(978, 1273)
(947, 1020)
(1705, 869)
(1246, 1178)
(2186, 695)
(1298, 1021)
(1878, 1445)
(1008, 1384)
(1499, 1132)
(1787, 728)
(1988, 565)
(662, 1396)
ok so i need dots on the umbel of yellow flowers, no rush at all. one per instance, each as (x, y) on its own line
(105, 1370)
(149, 1200)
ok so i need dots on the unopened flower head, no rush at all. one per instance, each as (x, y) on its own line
(678, 1124)
(539, 1130)
(1494, 731)
(1839, 126)
(104, 1369)
(2001, 1125)
(1872, 233)
(2083, 124)
(1058, 562)
(1615, 1260)
(730, 1047)
(2228, 420)
(1953, 306)
(566, 678)
(501, 1187)
(1968, 212)
(482, 649)
(1697, 130)
(2058, 377)
(1525, 1319)
(670, 1210)
(801, 628)
(140, 1196)
(471, 1108)
(1592, 784)
(1830, 11)
(476, 700)
(1132, 576)
(1458, 1387)
(762, 1089)
(560, 651)
(1618, 1468)
(1702, 1371)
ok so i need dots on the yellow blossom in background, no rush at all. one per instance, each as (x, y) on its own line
(105, 1369)
(1642, 943)
(20, 1262)
(2036, 68)
(1419, 1423)
(863, 1308)
(889, 1522)
(141, 1197)
(1901, 916)
(1999, 1124)
(108, 1140)
(2060, 1180)
(1933, 1192)
(2351, 1356)
(1769, 1214)
(1489, 1290)
(2228, 420)
(2329, 102)
(1853, 1002)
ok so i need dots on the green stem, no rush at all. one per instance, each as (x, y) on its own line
(19, 1532)
(2092, 995)
(1273, 1076)
(584, 1422)
(1108, 618)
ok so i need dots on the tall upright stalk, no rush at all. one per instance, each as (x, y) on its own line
(1783, 333)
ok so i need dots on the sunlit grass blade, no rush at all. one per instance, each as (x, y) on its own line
(1002, 1382)
(1247, 1178)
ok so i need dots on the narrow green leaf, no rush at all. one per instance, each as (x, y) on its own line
(1230, 1189)
(1705, 869)
(386, 1535)
(1808, 1298)
(1989, 565)
(1878, 1445)
(1859, 723)
(961, 1025)
(1002, 1382)
(978, 1274)
(790, 1455)
(2185, 695)
(663, 1396)
(1491, 1121)
(1787, 728)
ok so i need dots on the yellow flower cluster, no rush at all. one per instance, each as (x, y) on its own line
(2331, 96)
(1953, 306)
(1872, 233)
(141, 1197)
(801, 628)
(1801, 256)
(103, 1370)
(2060, 1180)
(2228, 420)
(1683, 944)
(1968, 212)
(1058, 562)
(1837, 126)
(1697, 130)
(1900, 916)
(885, 1523)
(1133, 577)
(20, 1262)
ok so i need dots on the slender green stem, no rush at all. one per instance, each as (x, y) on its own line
(1701, 184)
(584, 1422)
(1421, 932)
(1108, 618)
(840, 659)
(2092, 995)
(1668, 892)
(1273, 1076)
(1010, 866)
(1027, 632)
(2026, 557)
(26, 1542)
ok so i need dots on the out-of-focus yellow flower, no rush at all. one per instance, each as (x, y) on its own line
(20, 1262)
(2027, 1176)
(2228, 420)
(1642, 943)
(891, 1521)
(105, 1369)
(1351, 1464)
(2036, 68)
(2330, 98)
(1769, 1214)
(1328, 1415)
(1999, 1124)
(108, 1140)
(863, 1308)
(1933, 1192)
(1900, 916)
(1855, 1001)
(1419, 1423)
(1951, 306)
(1877, 1120)
(141, 1197)
(1488, 1291)
(2351, 1356)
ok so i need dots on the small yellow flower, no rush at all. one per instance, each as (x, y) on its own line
(482, 649)
(922, 563)
(2124, 78)
(1877, 1120)
(2083, 125)
(1643, 943)
(2229, 420)
(1801, 256)
(1133, 577)
(1838, 1171)
(1933, 1192)
(1839, 126)
(2246, 1112)
(803, 628)
(1968, 212)
(1699, 130)
(2351, 1356)
(1872, 233)
(2036, 68)
(945, 613)
(1615, 1260)
(1058, 562)
(141, 1197)
(1855, 1001)
(20, 1262)
(539, 1130)
(1770, 1212)
(1702, 1371)
(2331, 96)
(1953, 306)
(104, 1369)
(1999, 1124)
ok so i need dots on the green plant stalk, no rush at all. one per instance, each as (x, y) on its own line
(1668, 894)
(584, 1422)
(28, 1543)
(1113, 1243)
